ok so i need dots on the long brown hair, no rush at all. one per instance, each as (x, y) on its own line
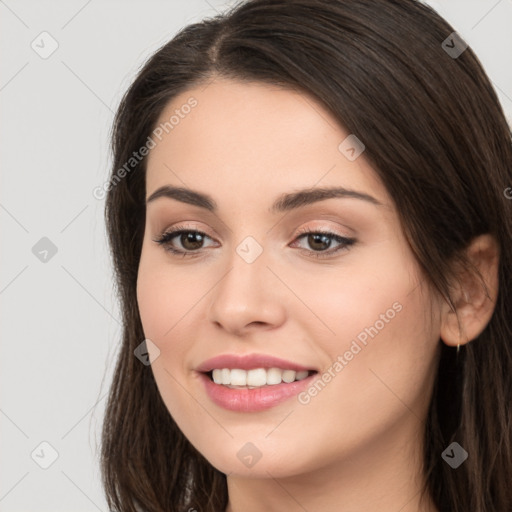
(436, 135)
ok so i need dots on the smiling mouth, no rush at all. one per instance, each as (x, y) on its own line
(236, 378)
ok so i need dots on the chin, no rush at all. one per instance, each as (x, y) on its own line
(248, 461)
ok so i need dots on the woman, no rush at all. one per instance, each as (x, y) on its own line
(311, 235)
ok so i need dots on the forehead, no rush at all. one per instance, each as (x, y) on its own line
(249, 137)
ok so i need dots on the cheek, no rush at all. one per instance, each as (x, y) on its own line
(164, 300)
(164, 297)
(387, 341)
(381, 334)
(363, 298)
(163, 303)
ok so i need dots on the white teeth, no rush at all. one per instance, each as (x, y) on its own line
(257, 377)
(217, 376)
(288, 375)
(274, 376)
(238, 377)
(225, 376)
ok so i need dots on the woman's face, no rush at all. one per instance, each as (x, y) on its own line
(357, 312)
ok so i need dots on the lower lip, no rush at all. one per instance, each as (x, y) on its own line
(253, 400)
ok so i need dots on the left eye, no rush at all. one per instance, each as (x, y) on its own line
(191, 241)
(321, 240)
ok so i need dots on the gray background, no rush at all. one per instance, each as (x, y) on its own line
(59, 318)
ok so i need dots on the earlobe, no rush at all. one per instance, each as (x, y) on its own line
(475, 294)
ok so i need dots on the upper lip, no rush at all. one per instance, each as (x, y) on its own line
(248, 362)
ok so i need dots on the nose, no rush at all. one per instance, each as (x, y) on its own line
(247, 297)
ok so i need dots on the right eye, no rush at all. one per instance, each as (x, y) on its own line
(190, 240)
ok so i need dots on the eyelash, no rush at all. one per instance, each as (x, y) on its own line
(165, 239)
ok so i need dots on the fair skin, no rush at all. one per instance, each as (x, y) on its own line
(356, 445)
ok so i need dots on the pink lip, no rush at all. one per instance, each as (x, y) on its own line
(248, 362)
(253, 400)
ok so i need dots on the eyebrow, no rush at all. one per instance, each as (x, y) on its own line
(284, 203)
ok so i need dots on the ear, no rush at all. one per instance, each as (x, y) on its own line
(474, 296)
